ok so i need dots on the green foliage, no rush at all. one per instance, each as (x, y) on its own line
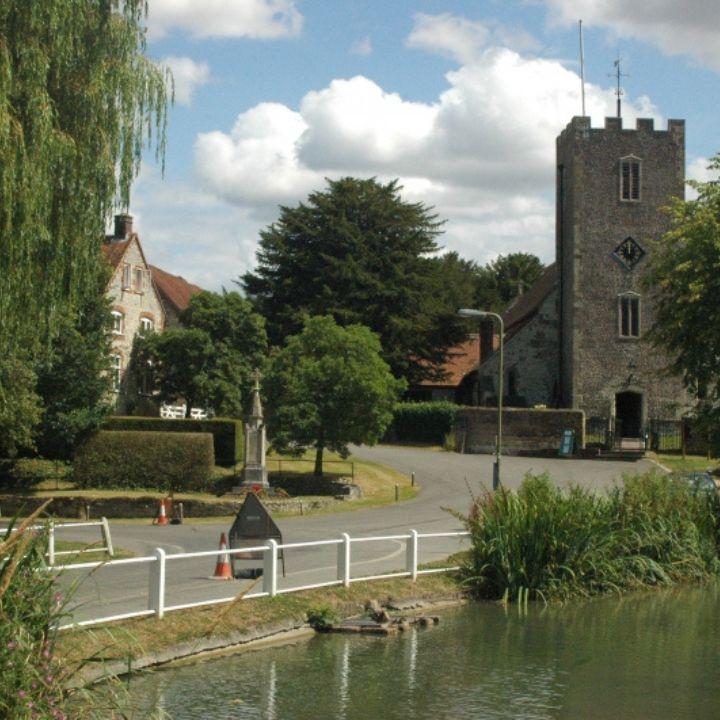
(149, 460)
(683, 274)
(422, 422)
(74, 380)
(31, 685)
(329, 387)
(227, 433)
(502, 280)
(357, 252)
(321, 617)
(23, 473)
(651, 531)
(20, 408)
(209, 361)
(78, 98)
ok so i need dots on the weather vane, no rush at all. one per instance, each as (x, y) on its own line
(617, 74)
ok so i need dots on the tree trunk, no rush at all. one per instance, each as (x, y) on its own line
(318, 472)
(188, 408)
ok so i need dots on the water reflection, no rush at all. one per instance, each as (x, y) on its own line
(651, 656)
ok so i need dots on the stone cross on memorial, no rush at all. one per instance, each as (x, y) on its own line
(254, 471)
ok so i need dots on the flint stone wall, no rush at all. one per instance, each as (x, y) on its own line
(525, 430)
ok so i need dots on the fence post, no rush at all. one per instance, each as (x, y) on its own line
(156, 593)
(412, 554)
(343, 560)
(51, 544)
(106, 535)
(270, 569)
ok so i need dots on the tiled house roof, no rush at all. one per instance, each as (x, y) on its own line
(174, 289)
(462, 359)
(114, 251)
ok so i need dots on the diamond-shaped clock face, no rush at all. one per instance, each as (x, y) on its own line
(629, 253)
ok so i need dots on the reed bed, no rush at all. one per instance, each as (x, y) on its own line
(548, 544)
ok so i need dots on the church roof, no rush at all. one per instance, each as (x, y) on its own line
(174, 289)
(461, 359)
(524, 307)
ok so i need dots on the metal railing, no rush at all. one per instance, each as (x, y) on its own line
(157, 596)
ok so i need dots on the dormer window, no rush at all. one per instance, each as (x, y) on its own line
(629, 315)
(630, 178)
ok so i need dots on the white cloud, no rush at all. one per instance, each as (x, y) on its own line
(691, 27)
(225, 18)
(188, 75)
(463, 40)
(698, 170)
(482, 153)
(362, 47)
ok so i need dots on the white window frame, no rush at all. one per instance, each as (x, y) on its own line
(631, 299)
(630, 161)
(147, 325)
(138, 279)
(118, 322)
(127, 277)
(116, 371)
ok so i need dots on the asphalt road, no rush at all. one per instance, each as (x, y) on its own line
(446, 481)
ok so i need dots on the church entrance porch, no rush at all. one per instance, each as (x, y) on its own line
(628, 415)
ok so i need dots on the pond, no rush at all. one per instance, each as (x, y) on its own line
(653, 655)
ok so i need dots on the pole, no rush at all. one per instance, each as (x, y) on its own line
(582, 67)
(501, 377)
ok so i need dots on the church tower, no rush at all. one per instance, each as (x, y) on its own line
(611, 187)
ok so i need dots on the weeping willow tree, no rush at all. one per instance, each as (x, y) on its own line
(79, 102)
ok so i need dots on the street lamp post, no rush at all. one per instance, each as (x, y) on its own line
(479, 315)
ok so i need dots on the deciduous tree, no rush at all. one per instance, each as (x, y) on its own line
(329, 387)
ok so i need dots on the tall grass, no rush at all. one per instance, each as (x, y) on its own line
(650, 531)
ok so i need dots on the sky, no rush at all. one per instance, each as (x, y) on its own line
(461, 100)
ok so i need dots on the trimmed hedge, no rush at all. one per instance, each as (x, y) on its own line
(422, 422)
(227, 432)
(127, 459)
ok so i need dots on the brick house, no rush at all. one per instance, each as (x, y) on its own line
(143, 299)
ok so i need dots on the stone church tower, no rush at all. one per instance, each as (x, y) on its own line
(611, 187)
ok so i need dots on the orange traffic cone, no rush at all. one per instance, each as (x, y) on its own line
(222, 567)
(161, 518)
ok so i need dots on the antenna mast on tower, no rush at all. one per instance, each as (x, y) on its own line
(617, 74)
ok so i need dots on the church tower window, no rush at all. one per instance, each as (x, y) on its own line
(629, 315)
(630, 178)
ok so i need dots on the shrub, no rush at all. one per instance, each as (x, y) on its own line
(423, 422)
(652, 531)
(321, 618)
(149, 460)
(23, 473)
(227, 432)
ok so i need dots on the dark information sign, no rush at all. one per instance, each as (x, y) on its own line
(252, 526)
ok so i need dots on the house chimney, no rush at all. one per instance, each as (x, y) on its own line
(123, 226)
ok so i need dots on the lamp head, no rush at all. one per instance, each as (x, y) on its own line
(469, 313)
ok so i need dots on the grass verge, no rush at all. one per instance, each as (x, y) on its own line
(689, 463)
(128, 640)
(78, 555)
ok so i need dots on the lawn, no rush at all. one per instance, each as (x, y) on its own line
(378, 483)
(689, 463)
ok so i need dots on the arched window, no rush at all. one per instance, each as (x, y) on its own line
(146, 326)
(630, 173)
(629, 315)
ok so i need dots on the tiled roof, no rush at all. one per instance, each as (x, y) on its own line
(462, 359)
(174, 289)
(526, 305)
(114, 251)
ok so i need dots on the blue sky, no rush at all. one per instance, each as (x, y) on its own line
(460, 100)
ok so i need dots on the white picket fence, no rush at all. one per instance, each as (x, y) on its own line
(156, 593)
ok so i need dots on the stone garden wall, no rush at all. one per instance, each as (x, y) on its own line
(525, 431)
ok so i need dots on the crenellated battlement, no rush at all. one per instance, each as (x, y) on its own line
(581, 125)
